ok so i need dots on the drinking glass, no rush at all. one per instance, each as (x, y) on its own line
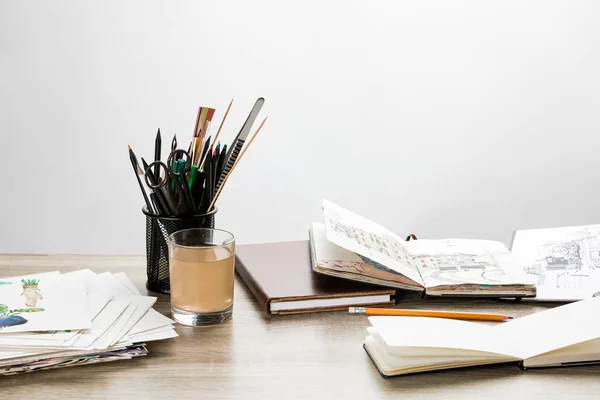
(201, 269)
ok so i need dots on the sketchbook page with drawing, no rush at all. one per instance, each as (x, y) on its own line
(561, 336)
(367, 239)
(469, 267)
(565, 262)
(456, 267)
(333, 260)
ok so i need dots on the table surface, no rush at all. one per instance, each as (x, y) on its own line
(316, 356)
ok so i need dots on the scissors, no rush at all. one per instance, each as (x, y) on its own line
(174, 184)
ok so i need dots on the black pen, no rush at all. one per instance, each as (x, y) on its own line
(198, 191)
(157, 147)
(204, 150)
(136, 169)
(221, 162)
(208, 185)
(214, 161)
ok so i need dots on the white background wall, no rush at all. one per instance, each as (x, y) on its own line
(442, 118)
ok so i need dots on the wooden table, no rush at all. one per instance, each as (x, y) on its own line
(253, 356)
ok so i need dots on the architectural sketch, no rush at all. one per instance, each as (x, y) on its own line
(562, 258)
(375, 243)
(460, 268)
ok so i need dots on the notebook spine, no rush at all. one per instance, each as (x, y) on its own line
(253, 285)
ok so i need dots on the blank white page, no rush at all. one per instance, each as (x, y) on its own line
(403, 332)
(554, 328)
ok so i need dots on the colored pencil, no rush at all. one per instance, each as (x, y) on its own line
(427, 313)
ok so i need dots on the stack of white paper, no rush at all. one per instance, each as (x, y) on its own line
(53, 320)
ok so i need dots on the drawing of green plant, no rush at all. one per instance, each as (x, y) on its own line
(31, 291)
(12, 317)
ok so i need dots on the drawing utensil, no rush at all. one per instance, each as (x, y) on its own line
(160, 195)
(197, 125)
(223, 120)
(157, 148)
(196, 156)
(213, 161)
(136, 168)
(220, 188)
(180, 168)
(157, 206)
(193, 175)
(198, 190)
(174, 143)
(175, 169)
(202, 120)
(207, 121)
(183, 170)
(209, 116)
(433, 314)
(238, 143)
(208, 185)
(204, 152)
(221, 160)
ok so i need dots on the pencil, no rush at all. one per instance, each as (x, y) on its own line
(424, 313)
(223, 120)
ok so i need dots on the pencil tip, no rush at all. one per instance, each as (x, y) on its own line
(510, 317)
(128, 147)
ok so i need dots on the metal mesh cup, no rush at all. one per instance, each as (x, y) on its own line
(158, 230)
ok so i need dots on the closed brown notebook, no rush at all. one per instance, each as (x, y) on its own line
(281, 278)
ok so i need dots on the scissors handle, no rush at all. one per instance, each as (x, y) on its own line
(174, 186)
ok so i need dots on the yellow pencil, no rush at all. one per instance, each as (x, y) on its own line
(434, 314)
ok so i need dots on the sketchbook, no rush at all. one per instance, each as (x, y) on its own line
(352, 247)
(563, 336)
(565, 262)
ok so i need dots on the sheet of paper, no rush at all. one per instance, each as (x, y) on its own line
(564, 261)
(143, 305)
(554, 328)
(110, 284)
(361, 236)
(152, 320)
(105, 319)
(125, 281)
(439, 333)
(113, 334)
(153, 336)
(43, 303)
(162, 329)
(97, 301)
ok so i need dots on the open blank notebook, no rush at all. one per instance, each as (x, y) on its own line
(562, 336)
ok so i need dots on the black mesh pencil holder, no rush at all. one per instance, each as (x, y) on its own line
(158, 230)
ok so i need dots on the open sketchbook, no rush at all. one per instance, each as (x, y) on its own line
(352, 247)
(562, 336)
(564, 261)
